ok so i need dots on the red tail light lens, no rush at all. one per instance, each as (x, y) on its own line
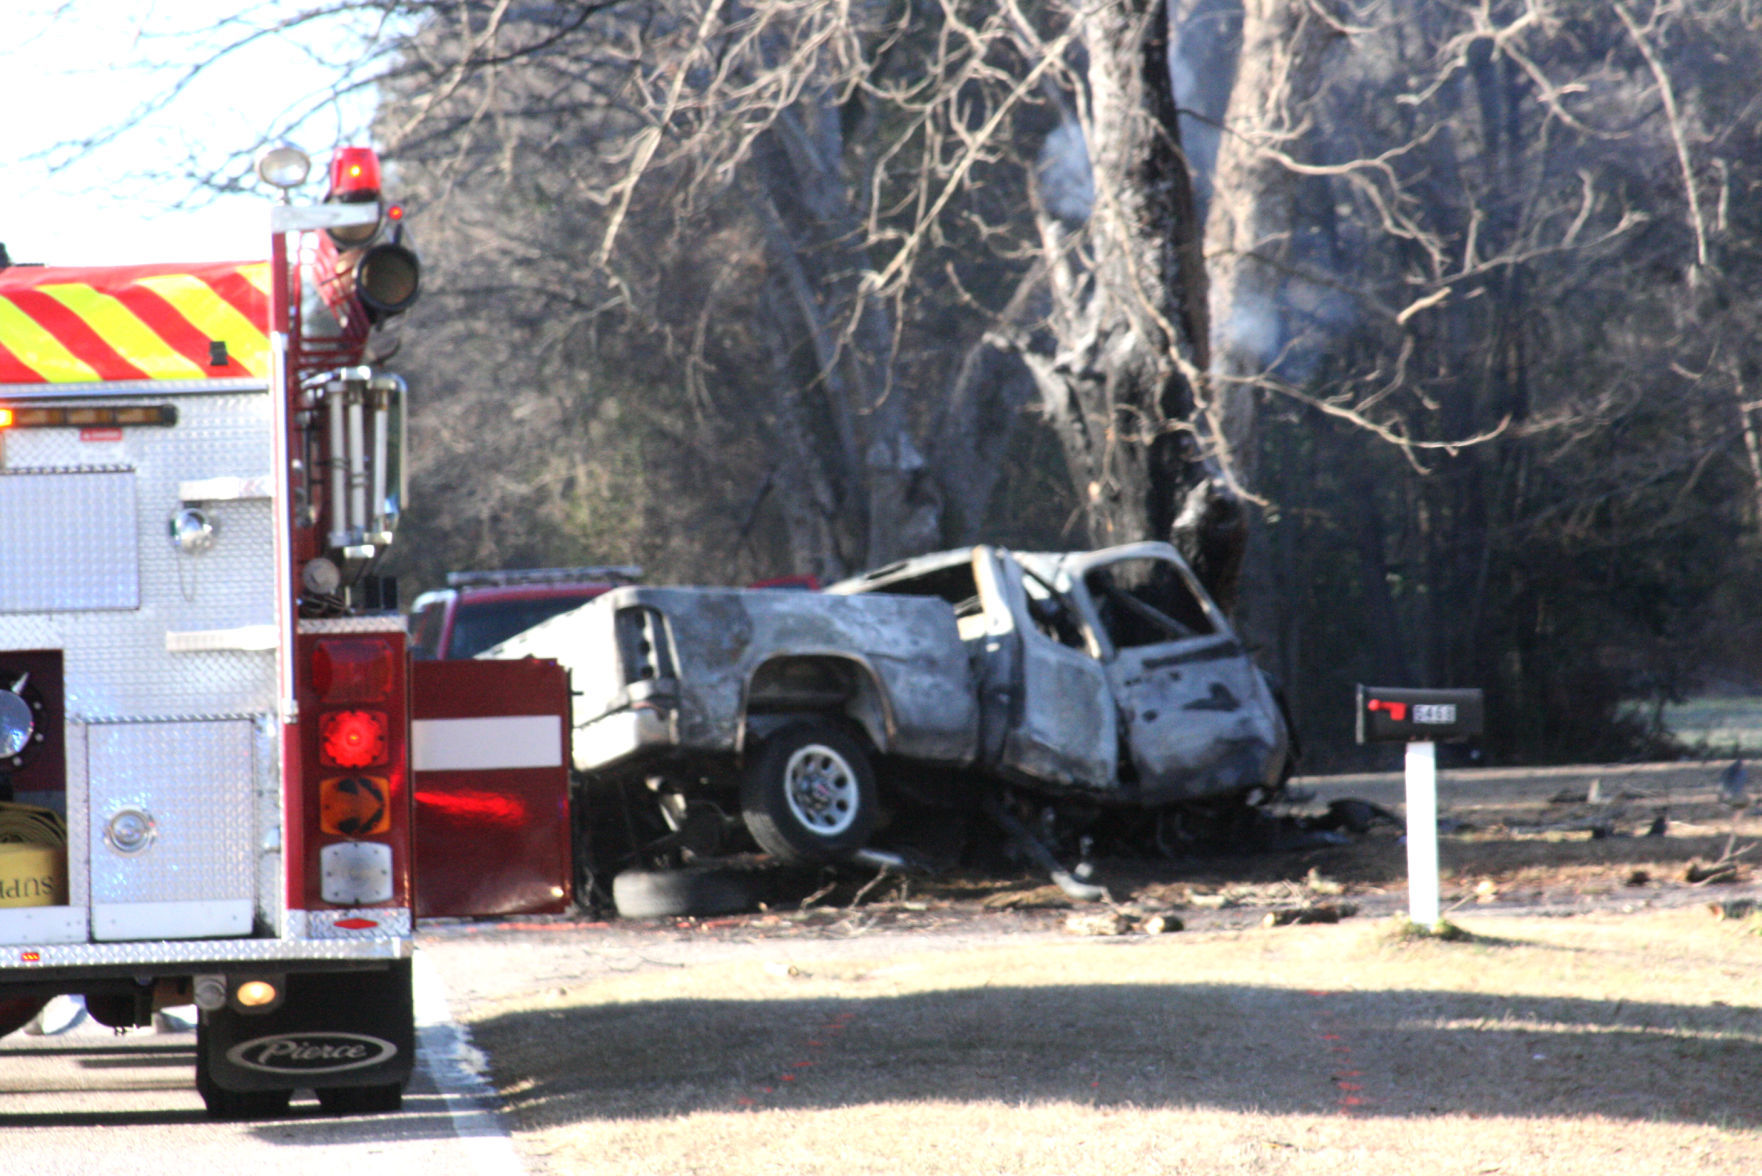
(353, 670)
(352, 739)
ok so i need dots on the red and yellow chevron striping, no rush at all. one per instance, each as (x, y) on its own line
(142, 322)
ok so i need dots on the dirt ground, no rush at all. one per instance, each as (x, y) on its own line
(1553, 841)
(985, 1022)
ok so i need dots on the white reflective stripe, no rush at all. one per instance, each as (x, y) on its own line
(252, 638)
(225, 489)
(170, 920)
(473, 745)
(45, 924)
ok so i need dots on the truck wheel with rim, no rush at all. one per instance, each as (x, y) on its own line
(809, 794)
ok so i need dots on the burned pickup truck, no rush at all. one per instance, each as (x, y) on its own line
(1088, 682)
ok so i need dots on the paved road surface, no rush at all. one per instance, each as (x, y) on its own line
(55, 1091)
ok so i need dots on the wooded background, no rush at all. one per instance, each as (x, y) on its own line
(1434, 318)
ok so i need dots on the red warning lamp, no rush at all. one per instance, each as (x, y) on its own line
(352, 739)
(354, 179)
(353, 669)
(354, 175)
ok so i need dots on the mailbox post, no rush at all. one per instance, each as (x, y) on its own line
(1420, 719)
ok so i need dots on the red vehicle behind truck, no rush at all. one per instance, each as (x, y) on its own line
(225, 781)
(477, 610)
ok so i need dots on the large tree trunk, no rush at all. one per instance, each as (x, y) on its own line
(1252, 218)
(890, 505)
(1128, 324)
(1249, 228)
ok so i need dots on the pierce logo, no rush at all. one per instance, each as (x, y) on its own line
(311, 1053)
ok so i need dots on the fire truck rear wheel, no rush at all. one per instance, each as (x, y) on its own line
(693, 890)
(361, 1100)
(16, 1012)
(240, 1104)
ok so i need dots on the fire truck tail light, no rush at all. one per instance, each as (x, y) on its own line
(352, 739)
(355, 873)
(355, 806)
(353, 670)
(5, 418)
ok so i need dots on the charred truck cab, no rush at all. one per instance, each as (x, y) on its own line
(205, 734)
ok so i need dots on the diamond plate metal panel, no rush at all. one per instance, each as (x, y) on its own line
(171, 821)
(385, 921)
(162, 956)
(396, 623)
(110, 390)
(117, 663)
(69, 539)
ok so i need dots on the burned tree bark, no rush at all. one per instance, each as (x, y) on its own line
(1120, 366)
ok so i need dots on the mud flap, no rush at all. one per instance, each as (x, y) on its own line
(332, 1030)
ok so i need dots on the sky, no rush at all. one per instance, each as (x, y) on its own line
(74, 68)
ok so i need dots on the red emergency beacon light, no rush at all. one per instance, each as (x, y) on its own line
(354, 175)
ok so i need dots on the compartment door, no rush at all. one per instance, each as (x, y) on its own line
(489, 751)
(171, 835)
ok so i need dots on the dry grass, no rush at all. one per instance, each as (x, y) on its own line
(1591, 1045)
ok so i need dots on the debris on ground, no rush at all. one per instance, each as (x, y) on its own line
(1299, 916)
(1122, 922)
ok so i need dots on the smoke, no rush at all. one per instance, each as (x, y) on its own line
(1067, 185)
(1253, 332)
(1287, 334)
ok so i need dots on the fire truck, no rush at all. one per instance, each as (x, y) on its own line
(224, 783)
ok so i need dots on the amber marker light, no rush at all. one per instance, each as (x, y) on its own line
(254, 994)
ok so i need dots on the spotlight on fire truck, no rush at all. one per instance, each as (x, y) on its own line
(387, 280)
(283, 166)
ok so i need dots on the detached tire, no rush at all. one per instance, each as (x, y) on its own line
(809, 796)
(694, 890)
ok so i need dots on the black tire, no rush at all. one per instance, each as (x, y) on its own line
(239, 1104)
(18, 1011)
(809, 795)
(694, 890)
(361, 1100)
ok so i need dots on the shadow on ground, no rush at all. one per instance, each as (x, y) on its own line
(1238, 1048)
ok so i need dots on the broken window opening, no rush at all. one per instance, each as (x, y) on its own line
(1146, 602)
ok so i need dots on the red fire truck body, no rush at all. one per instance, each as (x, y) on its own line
(206, 685)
